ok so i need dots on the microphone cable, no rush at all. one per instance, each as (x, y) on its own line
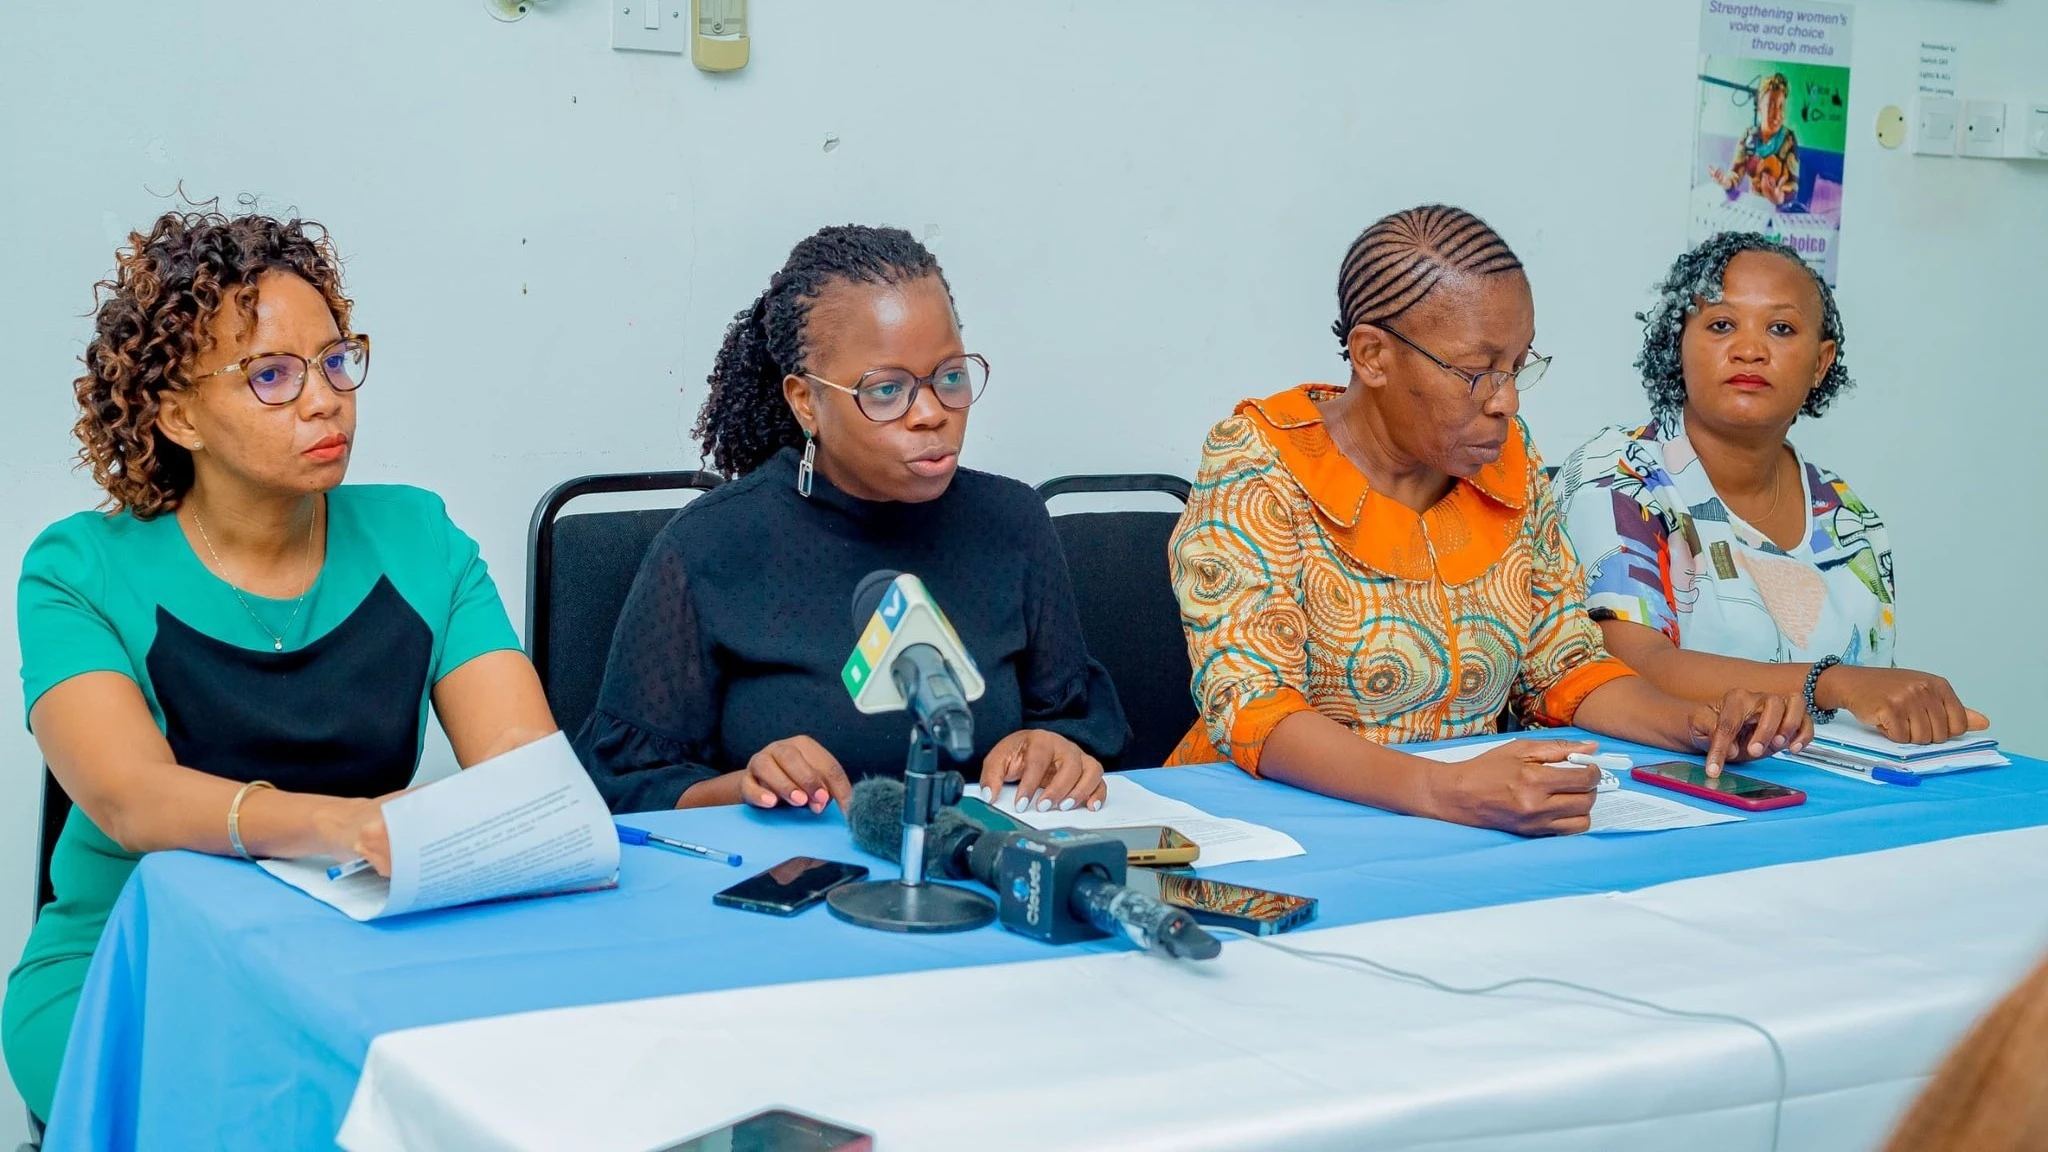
(1352, 962)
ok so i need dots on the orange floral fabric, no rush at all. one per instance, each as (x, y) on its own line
(1300, 587)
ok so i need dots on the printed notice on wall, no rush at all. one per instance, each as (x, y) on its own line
(1937, 69)
(1771, 124)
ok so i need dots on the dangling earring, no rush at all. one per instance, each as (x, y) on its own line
(808, 465)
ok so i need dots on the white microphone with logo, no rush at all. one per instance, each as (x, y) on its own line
(909, 659)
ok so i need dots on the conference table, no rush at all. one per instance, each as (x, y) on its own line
(1818, 960)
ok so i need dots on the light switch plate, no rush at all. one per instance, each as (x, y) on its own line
(1937, 121)
(1983, 128)
(651, 25)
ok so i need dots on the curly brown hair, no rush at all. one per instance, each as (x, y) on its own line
(154, 317)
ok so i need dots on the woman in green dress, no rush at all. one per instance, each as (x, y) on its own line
(238, 654)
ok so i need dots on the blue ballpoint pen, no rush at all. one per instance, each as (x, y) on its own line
(630, 835)
(1894, 776)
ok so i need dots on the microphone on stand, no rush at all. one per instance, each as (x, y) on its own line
(908, 658)
(1056, 886)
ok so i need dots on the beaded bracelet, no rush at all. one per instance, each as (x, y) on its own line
(1820, 715)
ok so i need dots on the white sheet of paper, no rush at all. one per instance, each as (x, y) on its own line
(526, 823)
(1129, 804)
(1624, 811)
(1615, 811)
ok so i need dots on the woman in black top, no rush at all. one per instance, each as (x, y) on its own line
(839, 403)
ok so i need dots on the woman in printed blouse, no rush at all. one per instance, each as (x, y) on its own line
(1371, 565)
(1717, 554)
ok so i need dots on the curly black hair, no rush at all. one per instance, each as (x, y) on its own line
(1696, 278)
(745, 420)
(152, 319)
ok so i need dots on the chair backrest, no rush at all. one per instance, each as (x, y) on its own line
(56, 809)
(579, 568)
(1130, 618)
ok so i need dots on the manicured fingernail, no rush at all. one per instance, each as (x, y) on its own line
(1045, 805)
(797, 797)
(986, 794)
(1095, 805)
(1023, 803)
(1067, 804)
(820, 796)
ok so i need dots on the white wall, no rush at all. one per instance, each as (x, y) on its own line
(1141, 205)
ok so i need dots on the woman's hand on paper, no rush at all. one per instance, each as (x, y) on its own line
(1907, 706)
(796, 771)
(1521, 787)
(354, 829)
(1051, 772)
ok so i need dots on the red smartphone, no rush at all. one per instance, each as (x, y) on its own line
(1745, 792)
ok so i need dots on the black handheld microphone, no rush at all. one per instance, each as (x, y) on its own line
(1056, 886)
(922, 675)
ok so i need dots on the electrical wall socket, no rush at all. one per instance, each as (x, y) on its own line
(1937, 121)
(1983, 128)
(651, 25)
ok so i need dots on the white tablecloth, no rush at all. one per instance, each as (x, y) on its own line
(1865, 968)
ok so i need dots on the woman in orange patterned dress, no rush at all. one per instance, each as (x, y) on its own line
(1385, 561)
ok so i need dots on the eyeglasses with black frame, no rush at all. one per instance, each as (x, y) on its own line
(1483, 385)
(885, 394)
(278, 378)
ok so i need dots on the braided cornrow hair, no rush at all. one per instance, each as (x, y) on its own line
(745, 420)
(1397, 262)
(1696, 277)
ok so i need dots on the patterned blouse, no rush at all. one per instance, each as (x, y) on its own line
(1300, 587)
(1666, 553)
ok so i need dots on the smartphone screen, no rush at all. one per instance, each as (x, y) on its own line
(777, 1130)
(789, 887)
(1727, 783)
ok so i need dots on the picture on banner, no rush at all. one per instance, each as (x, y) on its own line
(1772, 124)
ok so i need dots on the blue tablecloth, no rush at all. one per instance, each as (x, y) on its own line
(227, 1010)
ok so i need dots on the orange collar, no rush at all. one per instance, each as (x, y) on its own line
(1456, 540)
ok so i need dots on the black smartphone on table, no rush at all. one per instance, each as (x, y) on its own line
(789, 887)
(777, 1130)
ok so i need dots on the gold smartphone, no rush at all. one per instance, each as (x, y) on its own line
(1153, 845)
(1147, 845)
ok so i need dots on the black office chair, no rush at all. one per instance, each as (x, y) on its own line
(579, 568)
(56, 809)
(1130, 618)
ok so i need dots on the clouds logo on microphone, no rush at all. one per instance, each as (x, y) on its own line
(1031, 894)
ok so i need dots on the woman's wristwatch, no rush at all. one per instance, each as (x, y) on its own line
(1820, 715)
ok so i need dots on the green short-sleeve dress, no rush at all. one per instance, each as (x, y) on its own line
(402, 599)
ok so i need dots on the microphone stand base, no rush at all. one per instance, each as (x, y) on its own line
(894, 906)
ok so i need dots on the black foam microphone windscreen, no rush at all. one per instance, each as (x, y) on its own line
(867, 596)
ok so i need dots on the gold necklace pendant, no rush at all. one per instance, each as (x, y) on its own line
(276, 638)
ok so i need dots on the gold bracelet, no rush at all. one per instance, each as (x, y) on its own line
(235, 816)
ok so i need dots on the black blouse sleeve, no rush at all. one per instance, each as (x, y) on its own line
(654, 729)
(1064, 690)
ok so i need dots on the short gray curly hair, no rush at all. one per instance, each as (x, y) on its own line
(1697, 276)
